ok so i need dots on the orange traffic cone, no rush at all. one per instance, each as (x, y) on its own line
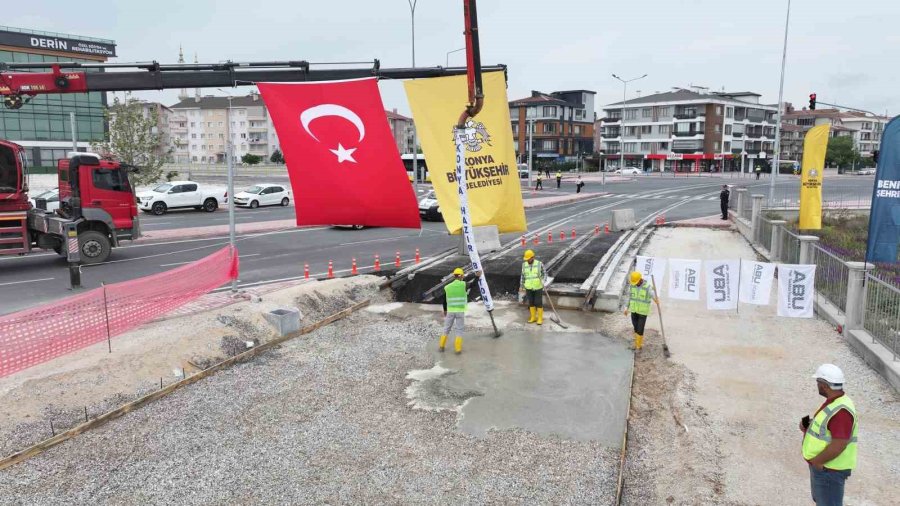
(305, 271)
(353, 268)
(377, 264)
(418, 258)
(330, 269)
(397, 260)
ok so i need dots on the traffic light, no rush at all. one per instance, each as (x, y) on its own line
(812, 101)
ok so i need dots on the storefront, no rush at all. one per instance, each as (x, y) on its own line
(705, 162)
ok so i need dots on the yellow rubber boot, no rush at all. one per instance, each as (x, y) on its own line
(540, 316)
(634, 342)
(532, 311)
(457, 345)
(442, 343)
(638, 341)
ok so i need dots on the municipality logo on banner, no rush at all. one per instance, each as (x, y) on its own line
(721, 284)
(796, 290)
(684, 279)
(651, 268)
(756, 282)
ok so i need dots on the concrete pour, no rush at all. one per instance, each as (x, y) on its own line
(574, 385)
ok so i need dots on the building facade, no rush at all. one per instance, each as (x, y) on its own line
(561, 124)
(864, 129)
(43, 125)
(404, 131)
(689, 131)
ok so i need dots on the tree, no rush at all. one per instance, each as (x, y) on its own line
(133, 139)
(841, 152)
(277, 157)
(251, 159)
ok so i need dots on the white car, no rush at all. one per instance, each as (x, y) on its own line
(629, 171)
(866, 172)
(263, 195)
(180, 195)
(52, 198)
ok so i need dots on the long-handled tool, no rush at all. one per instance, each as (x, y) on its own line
(662, 329)
(555, 317)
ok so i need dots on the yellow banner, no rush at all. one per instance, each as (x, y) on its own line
(492, 178)
(814, 147)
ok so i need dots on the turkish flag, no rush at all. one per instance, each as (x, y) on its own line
(341, 156)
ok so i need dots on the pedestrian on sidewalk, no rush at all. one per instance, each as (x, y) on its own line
(558, 179)
(829, 439)
(578, 185)
(723, 201)
(532, 284)
(540, 182)
(548, 173)
(456, 298)
(758, 171)
(639, 299)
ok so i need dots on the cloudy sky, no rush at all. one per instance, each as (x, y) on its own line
(844, 51)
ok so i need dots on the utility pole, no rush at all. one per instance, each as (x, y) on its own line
(530, 147)
(229, 158)
(415, 164)
(777, 156)
(74, 132)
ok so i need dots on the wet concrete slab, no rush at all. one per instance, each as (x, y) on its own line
(573, 385)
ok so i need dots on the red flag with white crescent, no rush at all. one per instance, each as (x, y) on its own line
(341, 156)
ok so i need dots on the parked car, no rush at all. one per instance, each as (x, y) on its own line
(629, 171)
(52, 198)
(523, 171)
(429, 210)
(866, 172)
(263, 195)
(180, 195)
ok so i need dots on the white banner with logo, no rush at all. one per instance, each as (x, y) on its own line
(796, 290)
(721, 283)
(651, 268)
(467, 229)
(684, 279)
(756, 282)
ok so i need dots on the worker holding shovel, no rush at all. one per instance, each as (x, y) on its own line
(639, 306)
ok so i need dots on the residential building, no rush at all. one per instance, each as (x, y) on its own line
(404, 131)
(864, 129)
(164, 149)
(689, 131)
(43, 126)
(561, 123)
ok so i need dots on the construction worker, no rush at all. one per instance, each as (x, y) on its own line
(533, 284)
(558, 179)
(829, 439)
(455, 301)
(540, 182)
(639, 306)
(758, 171)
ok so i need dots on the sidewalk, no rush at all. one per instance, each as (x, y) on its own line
(717, 422)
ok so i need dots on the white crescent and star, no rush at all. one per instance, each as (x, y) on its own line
(320, 111)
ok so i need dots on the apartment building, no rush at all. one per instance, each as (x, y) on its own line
(864, 129)
(689, 131)
(403, 130)
(561, 124)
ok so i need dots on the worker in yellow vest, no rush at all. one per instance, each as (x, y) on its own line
(829, 439)
(639, 299)
(533, 284)
(455, 303)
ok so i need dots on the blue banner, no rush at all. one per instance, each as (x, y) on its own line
(884, 218)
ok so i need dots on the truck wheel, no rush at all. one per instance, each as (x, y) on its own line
(285, 202)
(159, 208)
(254, 204)
(210, 205)
(59, 251)
(94, 247)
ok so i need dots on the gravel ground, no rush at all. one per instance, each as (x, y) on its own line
(322, 419)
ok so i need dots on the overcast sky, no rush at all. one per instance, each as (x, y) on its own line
(843, 50)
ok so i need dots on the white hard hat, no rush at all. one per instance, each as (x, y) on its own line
(830, 373)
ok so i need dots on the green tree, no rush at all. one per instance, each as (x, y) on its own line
(277, 157)
(251, 159)
(841, 152)
(134, 139)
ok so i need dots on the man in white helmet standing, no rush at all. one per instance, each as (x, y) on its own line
(829, 439)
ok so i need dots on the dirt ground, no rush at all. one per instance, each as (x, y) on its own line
(717, 422)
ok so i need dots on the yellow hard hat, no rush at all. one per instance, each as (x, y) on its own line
(459, 272)
(529, 254)
(635, 277)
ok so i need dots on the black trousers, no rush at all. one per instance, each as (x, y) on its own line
(558, 182)
(534, 298)
(539, 186)
(638, 321)
(724, 206)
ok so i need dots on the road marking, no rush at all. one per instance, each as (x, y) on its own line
(27, 281)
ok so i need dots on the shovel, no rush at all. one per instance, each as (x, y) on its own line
(662, 330)
(555, 317)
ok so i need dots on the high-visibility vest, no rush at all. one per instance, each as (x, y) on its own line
(639, 302)
(532, 275)
(818, 436)
(457, 297)
(559, 174)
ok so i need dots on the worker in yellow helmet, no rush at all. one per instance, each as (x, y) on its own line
(533, 285)
(639, 299)
(455, 302)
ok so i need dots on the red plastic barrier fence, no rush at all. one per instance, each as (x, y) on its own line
(36, 335)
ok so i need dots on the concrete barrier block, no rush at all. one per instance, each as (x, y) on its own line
(487, 239)
(623, 219)
(285, 320)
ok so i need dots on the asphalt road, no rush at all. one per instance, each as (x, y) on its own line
(280, 255)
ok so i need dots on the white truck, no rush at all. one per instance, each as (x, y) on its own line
(180, 195)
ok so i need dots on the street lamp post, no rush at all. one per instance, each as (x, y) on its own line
(415, 164)
(447, 63)
(530, 147)
(777, 157)
(622, 146)
(229, 158)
